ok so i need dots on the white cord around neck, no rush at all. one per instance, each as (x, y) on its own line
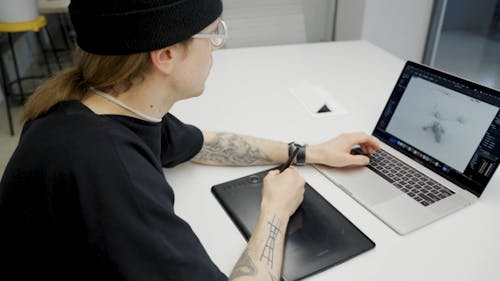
(119, 103)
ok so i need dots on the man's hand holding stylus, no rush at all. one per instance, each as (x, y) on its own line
(282, 192)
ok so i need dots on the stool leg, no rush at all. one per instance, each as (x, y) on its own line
(70, 30)
(53, 47)
(43, 53)
(16, 68)
(9, 115)
(64, 30)
(6, 96)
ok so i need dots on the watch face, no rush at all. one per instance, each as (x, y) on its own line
(301, 156)
(300, 160)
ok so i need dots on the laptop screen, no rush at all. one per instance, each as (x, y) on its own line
(450, 125)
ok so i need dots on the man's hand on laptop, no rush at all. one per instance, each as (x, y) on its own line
(336, 152)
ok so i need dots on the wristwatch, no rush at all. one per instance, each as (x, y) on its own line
(300, 160)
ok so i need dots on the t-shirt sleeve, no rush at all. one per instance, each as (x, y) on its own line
(180, 142)
(128, 208)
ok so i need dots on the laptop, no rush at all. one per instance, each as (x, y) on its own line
(440, 139)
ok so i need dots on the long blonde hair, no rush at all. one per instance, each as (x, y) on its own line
(106, 73)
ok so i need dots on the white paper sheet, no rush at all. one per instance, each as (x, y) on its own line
(313, 97)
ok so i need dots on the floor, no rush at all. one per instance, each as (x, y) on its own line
(7, 142)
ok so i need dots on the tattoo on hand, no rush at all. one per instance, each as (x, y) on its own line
(244, 267)
(232, 149)
(268, 251)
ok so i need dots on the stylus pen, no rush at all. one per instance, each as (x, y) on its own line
(290, 159)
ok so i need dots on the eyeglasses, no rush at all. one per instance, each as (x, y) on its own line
(218, 37)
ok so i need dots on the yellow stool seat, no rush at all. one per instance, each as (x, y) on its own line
(32, 25)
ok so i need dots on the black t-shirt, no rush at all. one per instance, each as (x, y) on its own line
(84, 196)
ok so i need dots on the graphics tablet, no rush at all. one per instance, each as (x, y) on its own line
(318, 235)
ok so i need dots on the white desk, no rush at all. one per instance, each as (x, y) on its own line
(248, 92)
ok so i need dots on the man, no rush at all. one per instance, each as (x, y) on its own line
(84, 195)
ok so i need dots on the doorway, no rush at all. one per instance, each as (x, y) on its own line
(464, 39)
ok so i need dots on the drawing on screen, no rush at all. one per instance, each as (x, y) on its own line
(436, 127)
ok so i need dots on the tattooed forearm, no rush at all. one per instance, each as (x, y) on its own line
(263, 258)
(232, 149)
(268, 251)
(244, 267)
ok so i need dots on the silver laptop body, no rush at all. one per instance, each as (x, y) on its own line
(447, 130)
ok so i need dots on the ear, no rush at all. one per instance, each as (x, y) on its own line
(164, 59)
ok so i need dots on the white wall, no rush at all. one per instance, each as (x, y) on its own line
(318, 18)
(277, 22)
(349, 19)
(398, 26)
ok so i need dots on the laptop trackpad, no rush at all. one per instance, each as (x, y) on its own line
(363, 184)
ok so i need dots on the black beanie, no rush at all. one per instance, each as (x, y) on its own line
(123, 27)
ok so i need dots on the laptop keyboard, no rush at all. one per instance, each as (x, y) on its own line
(418, 186)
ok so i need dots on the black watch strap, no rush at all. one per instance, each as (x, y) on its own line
(291, 147)
(301, 156)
